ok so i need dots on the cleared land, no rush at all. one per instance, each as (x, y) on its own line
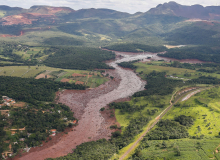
(204, 108)
(172, 71)
(89, 78)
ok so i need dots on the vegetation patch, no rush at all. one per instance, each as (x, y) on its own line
(134, 47)
(31, 90)
(66, 41)
(79, 58)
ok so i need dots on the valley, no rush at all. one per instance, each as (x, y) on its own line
(101, 84)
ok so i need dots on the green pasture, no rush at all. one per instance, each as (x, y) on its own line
(177, 72)
(150, 102)
(204, 107)
(57, 73)
(2, 13)
(190, 149)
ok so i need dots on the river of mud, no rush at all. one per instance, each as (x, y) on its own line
(86, 105)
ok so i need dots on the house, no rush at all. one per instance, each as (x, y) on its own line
(13, 131)
(7, 104)
(22, 139)
(75, 121)
(53, 131)
(7, 153)
(5, 112)
(29, 134)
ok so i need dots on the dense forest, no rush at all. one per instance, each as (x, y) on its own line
(12, 30)
(126, 107)
(167, 129)
(158, 84)
(192, 35)
(134, 47)
(63, 41)
(128, 64)
(203, 53)
(31, 90)
(79, 58)
(2, 132)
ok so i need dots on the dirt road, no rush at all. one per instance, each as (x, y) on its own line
(157, 119)
(86, 106)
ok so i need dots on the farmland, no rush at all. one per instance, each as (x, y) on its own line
(202, 142)
(151, 103)
(190, 149)
(171, 71)
(204, 108)
(89, 78)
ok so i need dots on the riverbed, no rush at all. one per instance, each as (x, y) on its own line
(86, 105)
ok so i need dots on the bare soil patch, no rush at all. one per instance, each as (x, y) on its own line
(42, 76)
(78, 75)
(65, 80)
(79, 82)
(19, 104)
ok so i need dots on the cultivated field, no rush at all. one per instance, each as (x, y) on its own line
(190, 149)
(91, 79)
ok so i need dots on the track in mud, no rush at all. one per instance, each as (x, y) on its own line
(86, 105)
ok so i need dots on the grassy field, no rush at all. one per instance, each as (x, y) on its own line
(205, 109)
(27, 54)
(2, 13)
(151, 103)
(177, 72)
(190, 149)
(95, 79)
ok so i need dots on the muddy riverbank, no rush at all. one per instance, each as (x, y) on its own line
(93, 125)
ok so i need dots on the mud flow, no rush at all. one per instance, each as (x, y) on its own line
(86, 105)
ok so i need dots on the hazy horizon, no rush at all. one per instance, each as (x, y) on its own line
(123, 6)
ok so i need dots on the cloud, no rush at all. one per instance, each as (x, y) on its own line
(130, 6)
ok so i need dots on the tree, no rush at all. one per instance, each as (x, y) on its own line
(164, 144)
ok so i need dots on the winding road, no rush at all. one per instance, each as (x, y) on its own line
(91, 125)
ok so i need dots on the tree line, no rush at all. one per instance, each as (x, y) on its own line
(103, 149)
(79, 58)
(135, 47)
(31, 90)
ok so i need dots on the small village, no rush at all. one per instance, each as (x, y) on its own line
(10, 103)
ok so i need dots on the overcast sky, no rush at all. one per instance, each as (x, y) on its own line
(130, 6)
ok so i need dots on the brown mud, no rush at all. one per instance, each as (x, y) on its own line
(94, 124)
(86, 105)
(155, 57)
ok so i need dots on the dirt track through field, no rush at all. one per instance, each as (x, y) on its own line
(86, 106)
(158, 118)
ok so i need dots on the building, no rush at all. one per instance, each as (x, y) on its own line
(5, 112)
(8, 152)
(53, 131)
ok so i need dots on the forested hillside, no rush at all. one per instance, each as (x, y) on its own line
(203, 53)
(79, 58)
(134, 47)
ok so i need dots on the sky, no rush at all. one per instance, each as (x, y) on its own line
(130, 6)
